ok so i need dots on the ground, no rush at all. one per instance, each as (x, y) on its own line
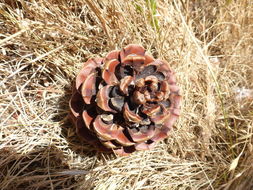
(209, 44)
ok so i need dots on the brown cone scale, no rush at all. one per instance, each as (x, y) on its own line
(125, 102)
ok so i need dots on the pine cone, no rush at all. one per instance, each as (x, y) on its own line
(125, 102)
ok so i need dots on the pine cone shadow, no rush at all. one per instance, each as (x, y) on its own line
(38, 169)
(68, 130)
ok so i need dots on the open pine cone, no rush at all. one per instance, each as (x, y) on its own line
(125, 102)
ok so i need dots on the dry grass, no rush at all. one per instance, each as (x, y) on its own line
(43, 45)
